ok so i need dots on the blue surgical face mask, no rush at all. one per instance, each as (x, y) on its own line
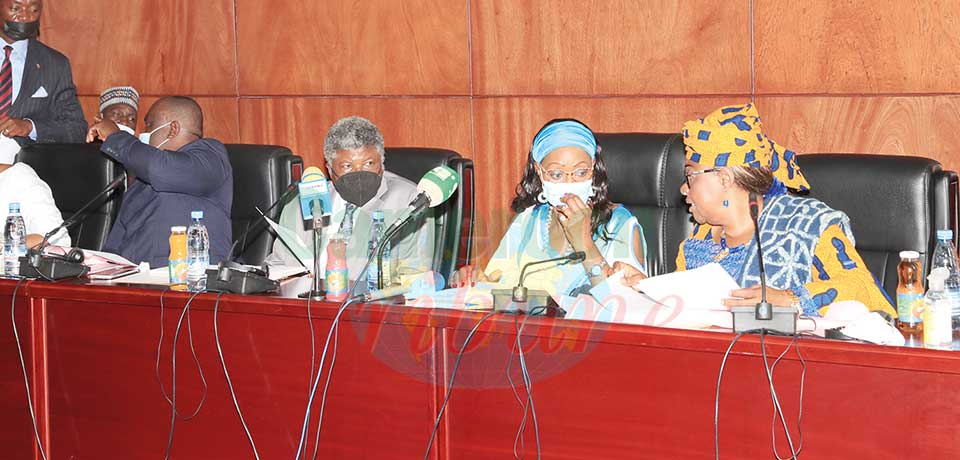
(554, 191)
(145, 137)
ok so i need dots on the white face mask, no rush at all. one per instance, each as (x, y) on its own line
(126, 129)
(554, 191)
(145, 137)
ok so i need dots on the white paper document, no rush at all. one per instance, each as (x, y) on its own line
(102, 265)
(689, 299)
(477, 297)
(294, 243)
(702, 288)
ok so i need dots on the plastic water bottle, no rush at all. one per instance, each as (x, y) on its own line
(376, 234)
(945, 255)
(14, 241)
(198, 253)
(937, 332)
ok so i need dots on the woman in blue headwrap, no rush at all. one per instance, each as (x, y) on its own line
(562, 205)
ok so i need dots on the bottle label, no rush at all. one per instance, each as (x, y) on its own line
(336, 284)
(909, 306)
(937, 331)
(178, 271)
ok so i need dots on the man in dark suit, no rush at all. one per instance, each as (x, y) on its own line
(38, 99)
(178, 171)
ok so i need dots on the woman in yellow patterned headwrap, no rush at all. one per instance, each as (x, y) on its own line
(808, 248)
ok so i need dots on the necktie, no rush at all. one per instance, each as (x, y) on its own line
(6, 83)
(346, 227)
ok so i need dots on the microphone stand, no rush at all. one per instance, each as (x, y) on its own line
(235, 278)
(319, 223)
(389, 234)
(515, 300)
(763, 317)
(57, 267)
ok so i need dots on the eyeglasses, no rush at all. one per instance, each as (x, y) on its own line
(556, 175)
(690, 174)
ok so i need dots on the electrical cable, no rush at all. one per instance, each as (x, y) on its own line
(173, 362)
(795, 343)
(193, 351)
(323, 398)
(775, 399)
(528, 382)
(716, 403)
(453, 376)
(333, 328)
(518, 439)
(23, 366)
(223, 362)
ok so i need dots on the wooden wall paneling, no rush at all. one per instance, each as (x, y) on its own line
(302, 123)
(158, 46)
(523, 47)
(826, 46)
(905, 125)
(220, 115)
(505, 128)
(353, 47)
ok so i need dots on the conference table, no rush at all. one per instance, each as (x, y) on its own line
(598, 390)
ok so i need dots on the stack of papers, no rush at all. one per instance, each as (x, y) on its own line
(478, 297)
(103, 265)
(690, 299)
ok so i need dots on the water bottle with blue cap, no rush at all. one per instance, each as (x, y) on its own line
(198, 253)
(945, 255)
(14, 241)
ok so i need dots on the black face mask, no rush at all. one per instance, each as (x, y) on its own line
(21, 30)
(358, 187)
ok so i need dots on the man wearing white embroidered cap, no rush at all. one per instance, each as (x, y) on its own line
(119, 105)
(19, 183)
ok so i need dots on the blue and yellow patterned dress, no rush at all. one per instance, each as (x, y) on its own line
(807, 247)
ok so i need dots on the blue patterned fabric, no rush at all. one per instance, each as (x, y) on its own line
(567, 133)
(790, 228)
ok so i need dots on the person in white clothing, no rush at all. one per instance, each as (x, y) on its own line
(19, 183)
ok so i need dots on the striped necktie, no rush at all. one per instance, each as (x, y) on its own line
(346, 227)
(6, 83)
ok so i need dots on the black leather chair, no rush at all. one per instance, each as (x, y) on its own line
(76, 173)
(895, 203)
(454, 218)
(261, 173)
(645, 171)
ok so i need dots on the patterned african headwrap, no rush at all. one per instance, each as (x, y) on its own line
(566, 133)
(733, 136)
(120, 94)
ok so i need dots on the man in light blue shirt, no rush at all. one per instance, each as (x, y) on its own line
(38, 99)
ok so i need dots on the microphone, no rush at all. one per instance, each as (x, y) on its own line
(230, 276)
(315, 200)
(513, 300)
(58, 267)
(764, 309)
(436, 187)
(520, 292)
(384, 293)
(763, 316)
(284, 197)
